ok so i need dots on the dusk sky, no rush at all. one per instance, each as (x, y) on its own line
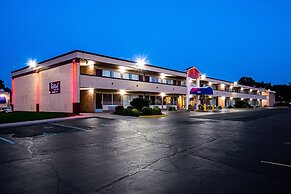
(224, 39)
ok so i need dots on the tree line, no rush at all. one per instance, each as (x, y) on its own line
(283, 91)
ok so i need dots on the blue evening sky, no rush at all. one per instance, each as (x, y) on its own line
(224, 39)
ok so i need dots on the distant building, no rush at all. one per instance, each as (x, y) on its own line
(80, 81)
(4, 99)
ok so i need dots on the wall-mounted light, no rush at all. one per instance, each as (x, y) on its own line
(91, 90)
(163, 94)
(122, 69)
(251, 99)
(235, 83)
(222, 85)
(203, 76)
(242, 98)
(251, 90)
(241, 88)
(231, 98)
(140, 62)
(162, 76)
(121, 92)
(31, 63)
(230, 87)
(209, 83)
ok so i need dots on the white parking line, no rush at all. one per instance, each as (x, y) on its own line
(277, 164)
(71, 127)
(7, 140)
(287, 143)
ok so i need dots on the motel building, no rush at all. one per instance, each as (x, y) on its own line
(80, 81)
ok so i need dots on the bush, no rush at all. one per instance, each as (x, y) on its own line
(219, 107)
(208, 107)
(171, 108)
(242, 104)
(230, 106)
(128, 112)
(139, 103)
(119, 108)
(190, 108)
(147, 111)
(156, 111)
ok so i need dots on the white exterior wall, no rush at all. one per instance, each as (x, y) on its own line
(24, 93)
(120, 84)
(63, 101)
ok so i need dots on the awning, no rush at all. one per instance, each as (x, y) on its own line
(202, 90)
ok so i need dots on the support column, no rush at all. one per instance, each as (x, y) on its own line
(76, 86)
(198, 96)
(188, 92)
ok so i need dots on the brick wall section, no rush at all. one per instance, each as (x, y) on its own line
(87, 101)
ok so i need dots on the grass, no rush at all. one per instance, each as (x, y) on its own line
(30, 116)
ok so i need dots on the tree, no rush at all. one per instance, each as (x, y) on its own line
(2, 87)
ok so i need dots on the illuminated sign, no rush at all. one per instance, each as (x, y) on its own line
(55, 87)
(2, 100)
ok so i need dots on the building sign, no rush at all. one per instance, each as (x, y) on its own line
(55, 87)
(2, 100)
(193, 73)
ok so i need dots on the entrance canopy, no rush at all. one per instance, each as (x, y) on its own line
(202, 90)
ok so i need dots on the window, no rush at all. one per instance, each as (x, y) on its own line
(125, 76)
(155, 80)
(169, 81)
(153, 100)
(134, 77)
(159, 100)
(116, 74)
(106, 73)
(183, 83)
(107, 99)
(116, 99)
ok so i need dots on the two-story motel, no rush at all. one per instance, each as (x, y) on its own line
(80, 81)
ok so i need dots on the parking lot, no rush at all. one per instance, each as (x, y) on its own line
(234, 152)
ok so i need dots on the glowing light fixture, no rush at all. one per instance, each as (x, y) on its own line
(209, 83)
(251, 99)
(163, 94)
(242, 98)
(203, 76)
(230, 87)
(122, 69)
(222, 85)
(31, 63)
(235, 83)
(162, 76)
(140, 62)
(121, 92)
(241, 88)
(251, 90)
(231, 98)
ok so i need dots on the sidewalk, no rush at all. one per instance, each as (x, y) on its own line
(103, 115)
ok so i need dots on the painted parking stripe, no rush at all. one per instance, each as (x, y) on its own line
(287, 143)
(66, 126)
(277, 164)
(7, 140)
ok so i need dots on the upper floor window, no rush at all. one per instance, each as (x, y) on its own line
(116, 74)
(106, 73)
(134, 77)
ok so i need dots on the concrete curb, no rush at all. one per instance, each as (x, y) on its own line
(153, 116)
(26, 123)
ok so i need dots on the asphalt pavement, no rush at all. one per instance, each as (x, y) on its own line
(235, 152)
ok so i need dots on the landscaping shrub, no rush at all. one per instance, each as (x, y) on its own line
(190, 108)
(119, 108)
(139, 103)
(147, 111)
(128, 112)
(230, 107)
(242, 104)
(171, 108)
(219, 107)
(156, 111)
